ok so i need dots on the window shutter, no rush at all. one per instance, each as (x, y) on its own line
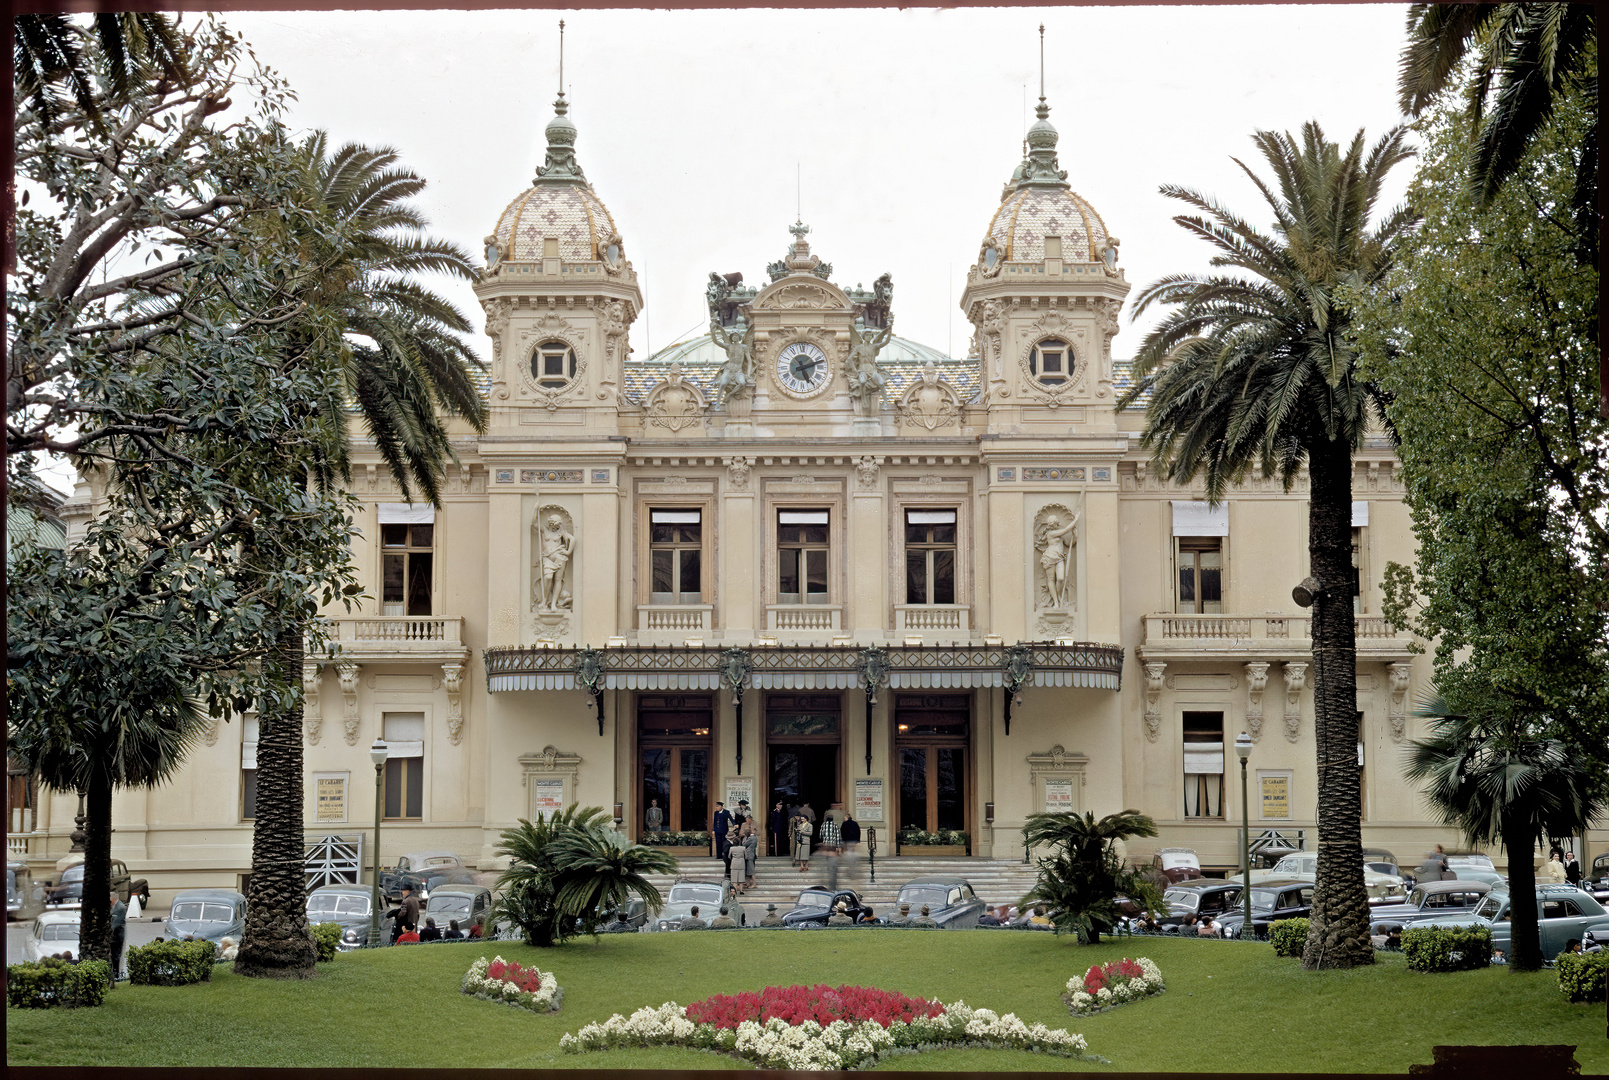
(407, 514)
(1360, 515)
(1194, 518)
(248, 744)
(404, 734)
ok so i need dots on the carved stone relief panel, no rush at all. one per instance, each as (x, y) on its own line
(553, 543)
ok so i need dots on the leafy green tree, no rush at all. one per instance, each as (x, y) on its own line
(1253, 369)
(1494, 774)
(567, 871)
(1485, 336)
(1083, 877)
(1537, 54)
(399, 354)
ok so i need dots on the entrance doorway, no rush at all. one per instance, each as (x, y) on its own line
(673, 755)
(803, 751)
(935, 780)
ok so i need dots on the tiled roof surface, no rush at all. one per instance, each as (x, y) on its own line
(570, 213)
(1030, 214)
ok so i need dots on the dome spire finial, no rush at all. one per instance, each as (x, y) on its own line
(560, 166)
(1043, 110)
(1039, 167)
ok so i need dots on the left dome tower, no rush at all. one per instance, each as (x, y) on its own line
(559, 294)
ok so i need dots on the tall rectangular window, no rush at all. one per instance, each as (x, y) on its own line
(404, 734)
(676, 550)
(1357, 570)
(407, 568)
(248, 767)
(801, 556)
(674, 748)
(1363, 789)
(1204, 764)
(1200, 563)
(930, 556)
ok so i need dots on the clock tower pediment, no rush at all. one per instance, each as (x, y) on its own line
(802, 292)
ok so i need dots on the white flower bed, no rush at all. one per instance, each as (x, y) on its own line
(840, 1045)
(545, 998)
(1137, 986)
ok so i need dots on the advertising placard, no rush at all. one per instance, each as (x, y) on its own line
(1274, 790)
(547, 798)
(1058, 796)
(869, 800)
(329, 795)
(740, 789)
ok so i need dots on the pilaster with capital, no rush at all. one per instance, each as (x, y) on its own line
(349, 691)
(452, 678)
(1154, 673)
(1256, 683)
(1295, 680)
(312, 717)
(1400, 676)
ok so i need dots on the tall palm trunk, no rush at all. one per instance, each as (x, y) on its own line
(1338, 936)
(95, 914)
(277, 943)
(1525, 931)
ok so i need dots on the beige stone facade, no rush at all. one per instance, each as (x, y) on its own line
(763, 493)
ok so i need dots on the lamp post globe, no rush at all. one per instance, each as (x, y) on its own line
(377, 754)
(1243, 751)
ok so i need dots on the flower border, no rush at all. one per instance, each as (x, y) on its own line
(1094, 992)
(547, 998)
(838, 1045)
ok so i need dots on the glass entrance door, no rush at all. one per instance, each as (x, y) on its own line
(931, 735)
(673, 754)
(803, 751)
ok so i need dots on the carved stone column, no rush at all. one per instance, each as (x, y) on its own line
(1295, 680)
(1400, 675)
(1154, 672)
(452, 677)
(312, 717)
(349, 690)
(1256, 683)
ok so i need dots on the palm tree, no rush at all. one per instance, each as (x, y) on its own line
(1495, 776)
(1536, 53)
(599, 870)
(1255, 370)
(49, 54)
(405, 365)
(1082, 879)
(530, 886)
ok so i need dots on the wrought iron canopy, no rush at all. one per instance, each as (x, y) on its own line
(807, 667)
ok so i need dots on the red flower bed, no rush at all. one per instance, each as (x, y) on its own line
(823, 1004)
(1117, 973)
(526, 978)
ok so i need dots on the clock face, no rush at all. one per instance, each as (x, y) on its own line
(802, 368)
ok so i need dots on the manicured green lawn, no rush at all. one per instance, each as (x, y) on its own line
(1229, 1007)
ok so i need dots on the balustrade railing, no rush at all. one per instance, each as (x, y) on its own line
(1216, 630)
(803, 616)
(675, 618)
(919, 617)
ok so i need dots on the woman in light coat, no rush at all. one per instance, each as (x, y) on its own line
(750, 836)
(802, 830)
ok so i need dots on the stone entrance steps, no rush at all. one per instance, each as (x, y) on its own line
(777, 881)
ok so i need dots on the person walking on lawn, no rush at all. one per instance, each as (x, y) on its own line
(119, 934)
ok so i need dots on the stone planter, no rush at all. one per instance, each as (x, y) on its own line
(933, 851)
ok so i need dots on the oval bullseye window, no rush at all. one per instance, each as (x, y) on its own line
(553, 365)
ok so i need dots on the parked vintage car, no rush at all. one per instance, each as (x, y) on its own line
(950, 900)
(1176, 864)
(417, 868)
(708, 896)
(1428, 901)
(25, 897)
(1475, 873)
(1563, 912)
(466, 903)
(1383, 888)
(817, 904)
(68, 891)
(350, 906)
(1203, 899)
(1382, 861)
(1291, 898)
(636, 914)
(206, 915)
(52, 932)
(1596, 879)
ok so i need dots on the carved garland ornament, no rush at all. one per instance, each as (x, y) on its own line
(1295, 679)
(452, 674)
(349, 691)
(497, 312)
(1256, 683)
(675, 402)
(1399, 676)
(312, 718)
(737, 471)
(550, 327)
(1155, 680)
(929, 402)
(1053, 324)
(612, 324)
(801, 295)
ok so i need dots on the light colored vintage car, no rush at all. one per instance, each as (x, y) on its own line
(1428, 900)
(1383, 888)
(51, 933)
(1563, 912)
(1176, 864)
(349, 906)
(206, 915)
(467, 904)
(708, 896)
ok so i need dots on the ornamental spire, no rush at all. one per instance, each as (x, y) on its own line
(1040, 168)
(560, 165)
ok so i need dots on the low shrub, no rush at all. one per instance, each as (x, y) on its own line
(171, 963)
(1447, 948)
(1582, 976)
(677, 839)
(326, 938)
(1288, 936)
(52, 983)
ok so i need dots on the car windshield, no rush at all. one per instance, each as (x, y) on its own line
(1263, 899)
(321, 904)
(1381, 867)
(1188, 899)
(1173, 860)
(695, 894)
(60, 932)
(815, 898)
(1295, 864)
(73, 873)
(452, 905)
(917, 895)
(352, 905)
(199, 911)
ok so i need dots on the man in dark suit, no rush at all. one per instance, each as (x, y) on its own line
(721, 826)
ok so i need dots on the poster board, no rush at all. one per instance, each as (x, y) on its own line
(1274, 794)
(547, 799)
(330, 796)
(869, 800)
(1058, 796)
(739, 789)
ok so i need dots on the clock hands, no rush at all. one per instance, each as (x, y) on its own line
(804, 366)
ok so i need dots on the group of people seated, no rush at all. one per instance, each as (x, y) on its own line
(432, 932)
(1034, 918)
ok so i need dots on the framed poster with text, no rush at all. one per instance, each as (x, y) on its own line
(869, 800)
(547, 798)
(329, 797)
(739, 789)
(1058, 796)
(1274, 794)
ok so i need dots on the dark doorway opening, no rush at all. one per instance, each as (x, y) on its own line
(804, 774)
(802, 737)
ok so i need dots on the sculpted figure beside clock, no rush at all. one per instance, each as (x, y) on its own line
(802, 368)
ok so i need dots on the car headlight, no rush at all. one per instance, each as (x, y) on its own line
(350, 936)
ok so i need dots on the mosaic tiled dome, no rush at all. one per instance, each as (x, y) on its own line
(559, 204)
(1038, 203)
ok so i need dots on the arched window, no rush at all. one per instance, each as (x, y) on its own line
(1051, 362)
(553, 364)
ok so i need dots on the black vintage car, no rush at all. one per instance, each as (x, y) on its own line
(950, 901)
(1204, 899)
(817, 904)
(68, 891)
(1270, 901)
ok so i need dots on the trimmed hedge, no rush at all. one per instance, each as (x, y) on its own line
(1582, 976)
(171, 963)
(50, 983)
(1288, 936)
(326, 938)
(1450, 948)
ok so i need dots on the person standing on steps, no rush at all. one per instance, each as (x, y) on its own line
(654, 818)
(802, 833)
(719, 828)
(779, 829)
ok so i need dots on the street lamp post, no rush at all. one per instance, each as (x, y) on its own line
(1243, 751)
(377, 754)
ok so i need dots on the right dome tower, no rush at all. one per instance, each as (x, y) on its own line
(1043, 299)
